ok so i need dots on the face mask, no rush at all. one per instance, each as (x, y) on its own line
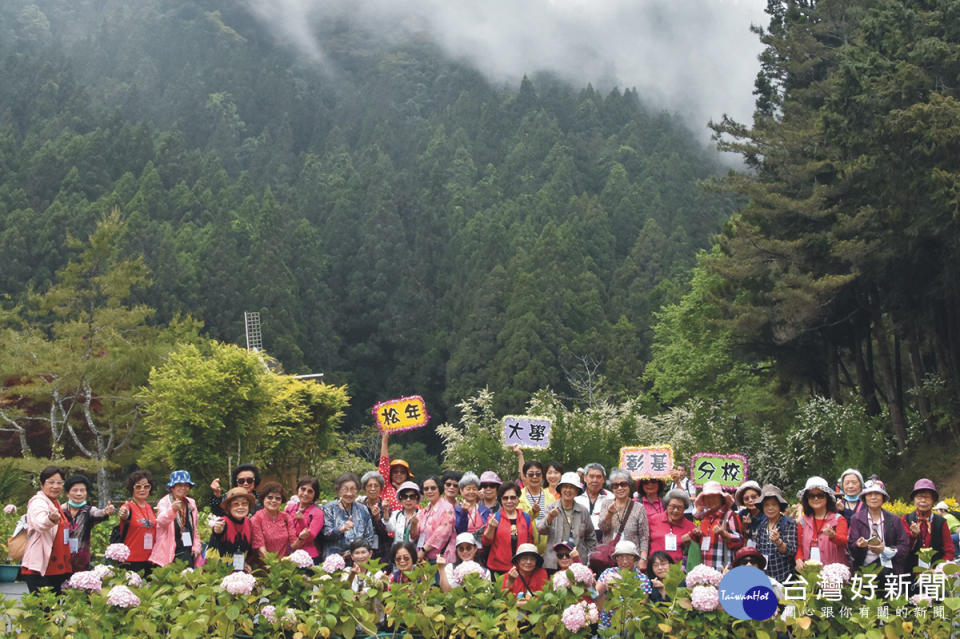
(853, 499)
(74, 504)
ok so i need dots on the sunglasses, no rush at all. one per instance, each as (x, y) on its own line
(563, 555)
(244, 480)
(817, 496)
(406, 496)
(488, 485)
(451, 484)
(620, 484)
(509, 498)
(426, 488)
(534, 474)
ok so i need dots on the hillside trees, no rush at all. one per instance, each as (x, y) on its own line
(842, 266)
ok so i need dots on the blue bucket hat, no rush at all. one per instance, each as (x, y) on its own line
(179, 477)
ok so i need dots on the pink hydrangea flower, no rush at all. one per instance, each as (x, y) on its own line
(9, 509)
(575, 617)
(592, 612)
(123, 597)
(919, 599)
(87, 580)
(334, 563)
(269, 612)
(103, 570)
(289, 618)
(467, 568)
(704, 575)
(133, 579)
(835, 573)
(117, 552)
(560, 579)
(239, 583)
(705, 598)
(302, 558)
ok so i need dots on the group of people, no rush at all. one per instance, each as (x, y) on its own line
(517, 532)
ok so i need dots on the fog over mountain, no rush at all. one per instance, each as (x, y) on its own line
(695, 57)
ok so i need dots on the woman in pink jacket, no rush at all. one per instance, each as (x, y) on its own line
(177, 520)
(46, 560)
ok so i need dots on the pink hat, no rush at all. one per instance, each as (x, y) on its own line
(489, 477)
(712, 488)
(925, 484)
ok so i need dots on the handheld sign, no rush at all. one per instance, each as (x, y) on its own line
(405, 413)
(527, 431)
(653, 462)
(728, 469)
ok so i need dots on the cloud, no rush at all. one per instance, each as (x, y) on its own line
(695, 57)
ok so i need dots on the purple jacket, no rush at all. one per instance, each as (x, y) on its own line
(894, 536)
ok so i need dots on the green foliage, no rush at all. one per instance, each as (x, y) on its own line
(205, 403)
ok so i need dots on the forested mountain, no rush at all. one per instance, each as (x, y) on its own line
(402, 223)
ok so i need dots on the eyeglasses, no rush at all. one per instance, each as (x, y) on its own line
(620, 484)
(484, 486)
(535, 474)
(509, 498)
(426, 488)
(57, 483)
(402, 559)
(563, 555)
(140, 486)
(245, 480)
(451, 484)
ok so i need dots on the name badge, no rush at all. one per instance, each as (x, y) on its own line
(886, 562)
(66, 536)
(670, 542)
(74, 545)
(751, 543)
(705, 544)
(148, 541)
(238, 561)
(186, 539)
(815, 554)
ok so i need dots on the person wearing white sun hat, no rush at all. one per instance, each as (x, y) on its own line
(568, 521)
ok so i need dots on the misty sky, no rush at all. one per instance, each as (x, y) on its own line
(695, 57)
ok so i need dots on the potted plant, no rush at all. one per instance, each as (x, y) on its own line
(9, 520)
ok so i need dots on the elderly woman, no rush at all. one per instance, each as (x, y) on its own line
(397, 470)
(651, 496)
(776, 535)
(626, 556)
(82, 518)
(403, 557)
(821, 532)
(747, 498)
(245, 476)
(508, 529)
(177, 517)
(273, 529)
(623, 514)
(373, 485)
(466, 551)
(569, 522)
(345, 520)
(926, 528)
(403, 524)
(308, 519)
(851, 484)
(46, 560)
(527, 576)
(139, 522)
(437, 525)
(720, 533)
(470, 516)
(670, 531)
(489, 485)
(877, 537)
(232, 537)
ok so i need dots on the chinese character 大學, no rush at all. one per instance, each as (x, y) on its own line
(659, 462)
(536, 432)
(731, 471)
(390, 415)
(706, 469)
(515, 429)
(412, 411)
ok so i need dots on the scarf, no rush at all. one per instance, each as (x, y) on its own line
(233, 528)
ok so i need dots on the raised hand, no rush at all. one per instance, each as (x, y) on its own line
(215, 487)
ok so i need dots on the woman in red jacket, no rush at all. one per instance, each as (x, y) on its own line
(507, 530)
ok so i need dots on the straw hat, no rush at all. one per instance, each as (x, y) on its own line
(237, 493)
(528, 549)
